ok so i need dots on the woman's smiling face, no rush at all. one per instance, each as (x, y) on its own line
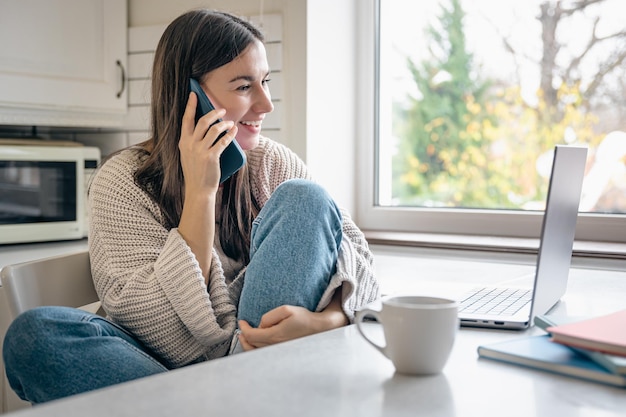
(241, 87)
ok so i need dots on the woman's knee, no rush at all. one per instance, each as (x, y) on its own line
(78, 350)
(301, 191)
(28, 335)
(27, 325)
(304, 201)
(302, 205)
(25, 349)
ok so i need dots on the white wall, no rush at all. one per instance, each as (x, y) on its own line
(156, 12)
(319, 78)
(330, 97)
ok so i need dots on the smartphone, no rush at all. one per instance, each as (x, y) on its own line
(233, 157)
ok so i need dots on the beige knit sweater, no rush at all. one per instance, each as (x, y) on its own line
(150, 283)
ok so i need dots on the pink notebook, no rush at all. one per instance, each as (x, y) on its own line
(603, 334)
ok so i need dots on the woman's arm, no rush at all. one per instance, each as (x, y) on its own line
(144, 271)
(290, 322)
(199, 158)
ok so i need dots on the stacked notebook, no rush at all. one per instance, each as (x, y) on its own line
(592, 349)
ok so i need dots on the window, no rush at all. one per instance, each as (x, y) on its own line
(469, 99)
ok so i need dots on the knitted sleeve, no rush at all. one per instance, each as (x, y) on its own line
(271, 164)
(147, 277)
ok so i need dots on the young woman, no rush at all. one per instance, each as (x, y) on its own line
(189, 269)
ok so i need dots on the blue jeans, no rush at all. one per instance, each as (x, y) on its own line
(54, 352)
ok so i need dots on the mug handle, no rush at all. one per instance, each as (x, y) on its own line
(360, 315)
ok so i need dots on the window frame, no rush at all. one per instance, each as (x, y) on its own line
(474, 222)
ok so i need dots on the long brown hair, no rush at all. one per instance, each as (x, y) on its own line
(194, 44)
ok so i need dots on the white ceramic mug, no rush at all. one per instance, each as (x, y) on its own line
(419, 332)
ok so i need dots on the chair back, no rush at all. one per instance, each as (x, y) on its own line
(63, 280)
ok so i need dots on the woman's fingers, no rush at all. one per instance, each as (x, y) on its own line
(229, 130)
(188, 124)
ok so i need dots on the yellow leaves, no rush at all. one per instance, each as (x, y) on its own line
(477, 157)
(471, 105)
(570, 94)
(488, 128)
(411, 178)
(486, 156)
(415, 167)
(433, 124)
(413, 162)
(473, 128)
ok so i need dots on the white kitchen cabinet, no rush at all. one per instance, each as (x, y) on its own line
(62, 62)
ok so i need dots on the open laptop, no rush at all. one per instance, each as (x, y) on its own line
(514, 308)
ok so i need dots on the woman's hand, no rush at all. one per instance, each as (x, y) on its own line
(290, 322)
(199, 153)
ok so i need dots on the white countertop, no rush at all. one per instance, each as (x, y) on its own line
(338, 374)
(12, 254)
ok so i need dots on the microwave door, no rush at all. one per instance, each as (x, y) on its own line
(36, 192)
(17, 194)
(51, 193)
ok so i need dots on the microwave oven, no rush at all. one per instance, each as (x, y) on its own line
(43, 190)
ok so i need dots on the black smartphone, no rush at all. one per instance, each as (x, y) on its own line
(233, 157)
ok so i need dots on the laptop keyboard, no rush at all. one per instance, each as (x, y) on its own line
(500, 301)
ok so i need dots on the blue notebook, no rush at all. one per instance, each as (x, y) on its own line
(615, 364)
(539, 352)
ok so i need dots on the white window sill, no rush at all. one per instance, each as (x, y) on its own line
(592, 254)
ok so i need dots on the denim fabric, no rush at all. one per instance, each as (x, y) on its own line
(54, 352)
(295, 241)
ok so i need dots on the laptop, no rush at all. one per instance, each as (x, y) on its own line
(514, 308)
